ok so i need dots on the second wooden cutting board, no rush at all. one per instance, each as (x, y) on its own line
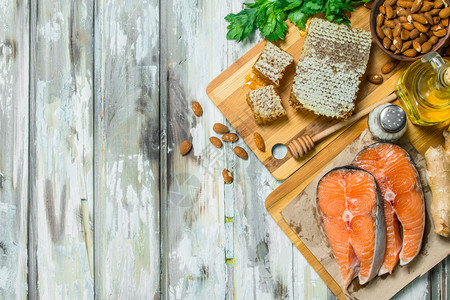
(228, 95)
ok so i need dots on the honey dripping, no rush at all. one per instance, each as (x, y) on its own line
(252, 82)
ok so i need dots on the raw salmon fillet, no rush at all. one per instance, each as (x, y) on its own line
(350, 206)
(402, 201)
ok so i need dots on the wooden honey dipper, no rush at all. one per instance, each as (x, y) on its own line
(304, 144)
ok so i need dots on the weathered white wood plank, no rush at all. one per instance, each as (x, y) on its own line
(127, 140)
(209, 219)
(196, 51)
(14, 70)
(61, 138)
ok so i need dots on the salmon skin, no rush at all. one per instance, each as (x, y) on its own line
(403, 201)
(351, 210)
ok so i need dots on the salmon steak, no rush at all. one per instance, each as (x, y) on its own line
(351, 211)
(403, 203)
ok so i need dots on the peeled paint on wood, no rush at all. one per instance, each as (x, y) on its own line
(438, 174)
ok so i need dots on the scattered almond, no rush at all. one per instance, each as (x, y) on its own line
(241, 152)
(375, 78)
(227, 176)
(220, 128)
(216, 142)
(185, 147)
(197, 108)
(389, 66)
(230, 137)
(368, 5)
(259, 141)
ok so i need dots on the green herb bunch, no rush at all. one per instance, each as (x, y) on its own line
(269, 16)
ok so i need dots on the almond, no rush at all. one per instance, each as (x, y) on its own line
(389, 11)
(397, 30)
(429, 18)
(417, 46)
(197, 108)
(440, 33)
(375, 78)
(393, 48)
(259, 142)
(230, 137)
(220, 128)
(423, 38)
(419, 18)
(241, 152)
(380, 33)
(426, 47)
(437, 27)
(420, 27)
(433, 40)
(390, 23)
(414, 33)
(405, 4)
(436, 19)
(185, 147)
(405, 34)
(408, 26)
(410, 53)
(403, 19)
(382, 9)
(387, 43)
(445, 13)
(388, 32)
(389, 66)
(406, 46)
(434, 11)
(438, 3)
(390, 2)
(400, 11)
(427, 6)
(380, 19)
(417, 5)
(444, 22)
(368, 5)
(397, 42)
(216, 142)
(227, 176)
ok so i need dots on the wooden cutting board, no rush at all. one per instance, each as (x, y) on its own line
(227, 93)
(420, 137)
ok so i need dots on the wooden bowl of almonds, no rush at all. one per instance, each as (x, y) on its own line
(408, 29)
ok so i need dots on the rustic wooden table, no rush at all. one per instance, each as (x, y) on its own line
(94, 101)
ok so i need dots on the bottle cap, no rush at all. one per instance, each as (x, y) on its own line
(392, 118)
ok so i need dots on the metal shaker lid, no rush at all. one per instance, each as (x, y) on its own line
(392, 118)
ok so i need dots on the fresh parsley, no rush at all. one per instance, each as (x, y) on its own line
(269, 16)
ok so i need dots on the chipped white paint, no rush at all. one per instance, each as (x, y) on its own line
(127, 225)
(14, 73)
(63, 148)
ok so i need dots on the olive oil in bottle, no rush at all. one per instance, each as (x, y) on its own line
(424, 90)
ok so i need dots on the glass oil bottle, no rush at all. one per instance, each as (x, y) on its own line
(424, 90)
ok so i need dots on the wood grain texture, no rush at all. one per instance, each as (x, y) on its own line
(127, 139)
(14, 70)
(61, 138)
